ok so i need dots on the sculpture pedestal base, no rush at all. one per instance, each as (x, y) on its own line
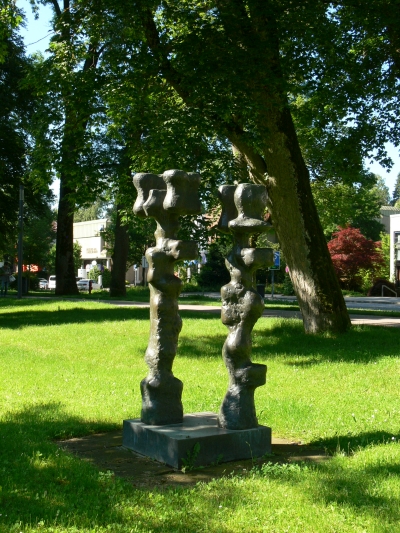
(175, 444)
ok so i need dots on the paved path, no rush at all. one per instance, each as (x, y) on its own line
(385, 304)
(369, 320)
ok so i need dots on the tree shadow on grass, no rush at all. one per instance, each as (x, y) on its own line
(24, 316)
(361, 487)
(44, 487)
(73, 315)
(286, 338)
(349, 444)
(38, 480)
(206, 347)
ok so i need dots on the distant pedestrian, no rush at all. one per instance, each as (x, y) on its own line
(4, 279)
(90, 286)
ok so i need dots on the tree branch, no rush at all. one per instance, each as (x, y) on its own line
(56, 8)
(231, 129)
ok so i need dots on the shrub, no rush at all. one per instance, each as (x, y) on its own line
(214, 273)
(287, 289)
(353, 255)
(94, 273)
(106, 278)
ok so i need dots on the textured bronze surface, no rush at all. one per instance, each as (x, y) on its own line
(165, 198)
(242, 306)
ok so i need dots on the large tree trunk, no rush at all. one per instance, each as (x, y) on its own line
(65, 268)
(298, 228)
(77, 103)
(301, 236)
(119, 257)
(297, 225)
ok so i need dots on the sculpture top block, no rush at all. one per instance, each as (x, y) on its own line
(174, 191)
(242, 209)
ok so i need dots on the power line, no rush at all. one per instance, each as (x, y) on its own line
(45, 37)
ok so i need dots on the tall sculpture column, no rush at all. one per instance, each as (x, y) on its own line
(165, 197)
(242, 306)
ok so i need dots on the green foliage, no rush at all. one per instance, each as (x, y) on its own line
(396, 191)
(94, 274)
(340, 204)
(381, 191)
(287, 288)
(339, 56)
(10, 19)
(214, 274)
(381, 269)
(385, 251)
(39, 236)
(15, 113)
(93, 212)
(189, 462)
(51, 260)
(106, 276)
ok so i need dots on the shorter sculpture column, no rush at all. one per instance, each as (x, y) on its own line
(242, 306)
(165, 198)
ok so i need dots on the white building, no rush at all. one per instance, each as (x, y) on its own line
(386, 211)
(88, 235)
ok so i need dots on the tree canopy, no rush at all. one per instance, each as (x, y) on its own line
(297, 89)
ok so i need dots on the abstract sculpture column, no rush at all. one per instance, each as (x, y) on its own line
(242, 306)
(165, 197)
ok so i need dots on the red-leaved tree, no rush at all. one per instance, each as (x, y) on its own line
(352, 252)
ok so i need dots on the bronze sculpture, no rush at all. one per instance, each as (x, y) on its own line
(165, 197)
(242, 306)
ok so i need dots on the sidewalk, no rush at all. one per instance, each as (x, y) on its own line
(369, 320)
(351, 302)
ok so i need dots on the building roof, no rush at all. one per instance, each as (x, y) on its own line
(387, 210)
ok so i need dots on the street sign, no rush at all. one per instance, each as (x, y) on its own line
(277, 261)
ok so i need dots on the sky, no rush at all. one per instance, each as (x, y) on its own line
(38, 32)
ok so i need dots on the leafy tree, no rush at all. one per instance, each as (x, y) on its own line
(39, 234)
(381, 191)
(93, 212)
(15, 104)
(351, 252)
(94, 273)
(396, 191)
(51, 260)
(341, 204)
(10, 18)
(213, 273)
(67, 83)
(227, 70)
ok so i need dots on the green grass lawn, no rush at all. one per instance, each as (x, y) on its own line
(72, 368)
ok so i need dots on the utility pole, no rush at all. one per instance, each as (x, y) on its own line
(20, 239)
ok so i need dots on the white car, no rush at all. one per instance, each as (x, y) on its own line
(52, 282)
(43, 283)
(83, 285)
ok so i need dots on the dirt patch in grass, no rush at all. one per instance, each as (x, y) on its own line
(105, 451)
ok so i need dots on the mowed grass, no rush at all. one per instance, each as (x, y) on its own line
(72, 368)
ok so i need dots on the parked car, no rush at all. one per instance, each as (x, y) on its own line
(52, 282)
(43, 283)
(83, 285)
